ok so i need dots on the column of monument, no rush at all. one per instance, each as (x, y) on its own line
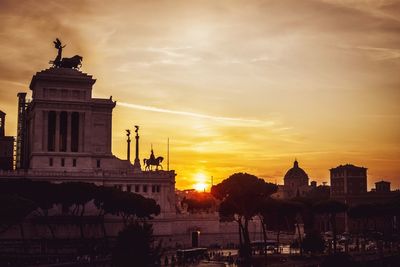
(136, 164)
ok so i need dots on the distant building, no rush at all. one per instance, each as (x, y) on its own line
(319, 192)
(349, 185)
(348, 180)
(313, 184)
(295, 183)
(6, 146)
(382, 187)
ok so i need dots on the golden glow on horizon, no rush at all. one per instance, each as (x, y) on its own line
(237, 86)
(200, 187)
(200, 180)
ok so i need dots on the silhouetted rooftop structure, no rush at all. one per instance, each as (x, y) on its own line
(295, 181)
(348, 179)
(296, 172)
(382, 187)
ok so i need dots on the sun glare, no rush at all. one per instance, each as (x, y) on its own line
(200, 182)
(200, 187)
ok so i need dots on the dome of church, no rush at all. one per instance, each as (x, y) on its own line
(296, 172)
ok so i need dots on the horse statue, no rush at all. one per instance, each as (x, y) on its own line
(152, 161)
(74, 62)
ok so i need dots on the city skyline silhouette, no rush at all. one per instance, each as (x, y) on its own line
(236, 87)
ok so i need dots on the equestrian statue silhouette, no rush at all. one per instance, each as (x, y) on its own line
(152, 161)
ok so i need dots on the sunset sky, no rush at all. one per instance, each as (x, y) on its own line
(237, 86)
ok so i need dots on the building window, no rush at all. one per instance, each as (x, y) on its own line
(153, 188)
(145, 189)
(137, 188)
(98, 163)
(62, 162)
(128, 188)
(73, 162)
(158, 189)
(51, 162)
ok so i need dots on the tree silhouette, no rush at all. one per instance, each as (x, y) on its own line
(14, 210)
(129, 206)
(240, 196)
(313, 243)
(43, 194)
(136, 247)
(77, 195)
(277, 215)
(199, 201)
(331, 208)
(361, 214)
(367, 216)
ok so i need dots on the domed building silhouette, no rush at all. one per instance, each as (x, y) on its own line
(295, 183)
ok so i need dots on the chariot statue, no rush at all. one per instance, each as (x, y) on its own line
(74, 62)
(152, 161)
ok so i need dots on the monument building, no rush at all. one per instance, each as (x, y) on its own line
(64, 135)
(61, 121)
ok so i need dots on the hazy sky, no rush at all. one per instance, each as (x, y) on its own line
(235, 85)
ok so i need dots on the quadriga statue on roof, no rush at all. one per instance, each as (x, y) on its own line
(74, 62)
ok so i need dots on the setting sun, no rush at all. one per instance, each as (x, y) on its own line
(200, 187)
(200, 179)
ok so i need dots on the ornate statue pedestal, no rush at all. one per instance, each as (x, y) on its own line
(136, 166)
